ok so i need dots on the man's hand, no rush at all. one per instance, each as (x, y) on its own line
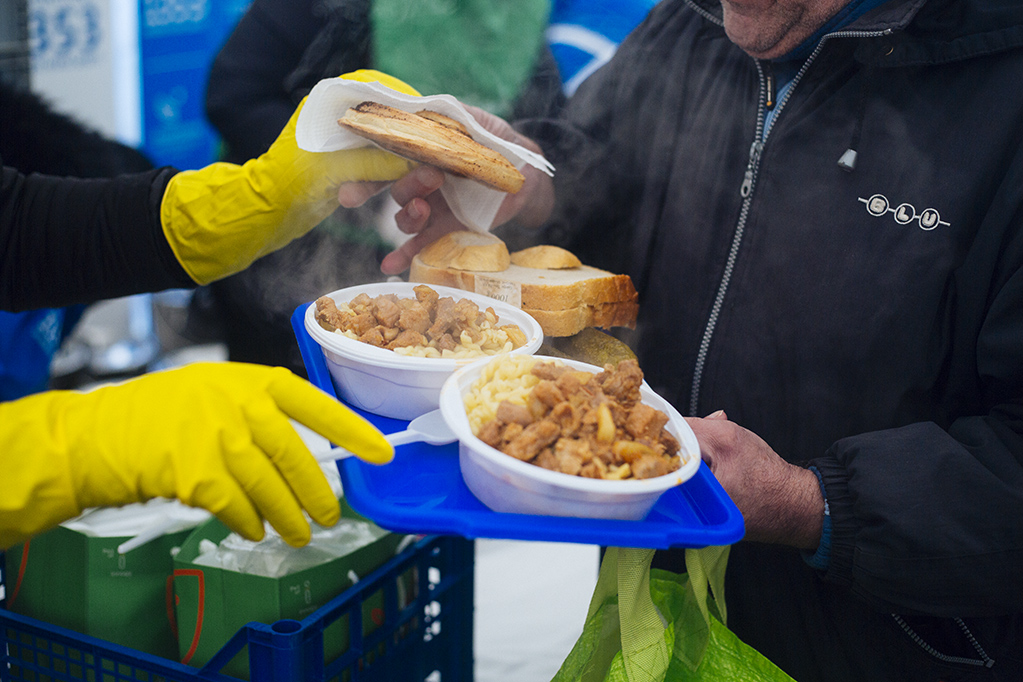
(424, 212)
(781, 503)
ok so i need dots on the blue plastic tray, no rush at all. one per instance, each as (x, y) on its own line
(422, 491)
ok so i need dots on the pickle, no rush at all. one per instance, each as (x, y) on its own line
(591, 346)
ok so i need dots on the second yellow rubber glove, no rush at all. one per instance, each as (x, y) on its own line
(215, 436)
(221, 218)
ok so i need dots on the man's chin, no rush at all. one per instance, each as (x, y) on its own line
(758, 48)
(756, 42)
(759, 33)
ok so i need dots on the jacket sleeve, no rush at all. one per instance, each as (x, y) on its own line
(926, 506)
(70, 240)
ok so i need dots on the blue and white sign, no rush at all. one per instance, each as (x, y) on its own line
(584, 34)
(134, 70)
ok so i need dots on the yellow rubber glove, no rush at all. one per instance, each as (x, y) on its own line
(221, 218)
(213, 435)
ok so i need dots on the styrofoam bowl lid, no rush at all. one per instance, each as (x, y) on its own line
(381, 357)
(452, 406)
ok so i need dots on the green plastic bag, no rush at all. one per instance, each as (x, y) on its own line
(649, 625)
(480, 51)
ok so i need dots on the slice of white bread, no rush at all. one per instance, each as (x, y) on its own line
(571, 322)
(563, 301)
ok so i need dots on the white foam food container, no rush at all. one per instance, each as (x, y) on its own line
(505, 484)
(399, 386)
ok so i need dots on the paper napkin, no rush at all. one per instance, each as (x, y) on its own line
(474, 204)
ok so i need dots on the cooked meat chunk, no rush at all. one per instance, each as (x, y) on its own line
(407, 337)
(416, 318)
(548, 393)
(386, 310)
(572, 454)
(511, 432)
(549, 370)
(373, 337)
(623, 382)
(532, 440)
(510, 413)
(362, 323)
(586, 425)
(443, 318)
(427, 296)
(467, 313)
(669, 442)
(593, 469)
(446, 342)
(439, 324)
(361, 301)
(327, 314)
(566, 416)
(644, 421)
(547, 460)
(491, 434)
(569, 383)
(650, 466)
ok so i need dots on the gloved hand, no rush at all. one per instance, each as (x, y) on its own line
(221, 218)
(213, 435)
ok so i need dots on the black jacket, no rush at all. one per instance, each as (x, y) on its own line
(71, 240)
(868, 322)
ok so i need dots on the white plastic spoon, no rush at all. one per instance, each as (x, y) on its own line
(427, 428)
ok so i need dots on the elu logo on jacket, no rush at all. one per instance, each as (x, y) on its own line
(928, 219)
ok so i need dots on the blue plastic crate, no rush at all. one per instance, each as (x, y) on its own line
(427, 640)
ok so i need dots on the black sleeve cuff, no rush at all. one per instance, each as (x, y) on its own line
(834, 480)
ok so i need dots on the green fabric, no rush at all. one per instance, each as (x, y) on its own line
(649, 625)
(480, 51)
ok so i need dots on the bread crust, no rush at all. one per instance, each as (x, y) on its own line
(427, 141)
(467, 250)
(443, 120)
(546, 257)
(593, 298)
(571, 322)
(539, 292)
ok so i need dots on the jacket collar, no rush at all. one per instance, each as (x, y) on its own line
(920, 32)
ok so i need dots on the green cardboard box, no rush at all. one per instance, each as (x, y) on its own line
(67, 578)
(213, 603)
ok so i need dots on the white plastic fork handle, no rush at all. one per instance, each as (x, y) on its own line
(396, 438)
(156, 530)
(402, 437)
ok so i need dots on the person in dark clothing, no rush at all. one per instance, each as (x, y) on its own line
(214, 435)
(35, 138)
(277, 53)
(821, 204)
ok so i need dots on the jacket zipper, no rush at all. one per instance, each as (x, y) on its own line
(748, 182)
(984, 660)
